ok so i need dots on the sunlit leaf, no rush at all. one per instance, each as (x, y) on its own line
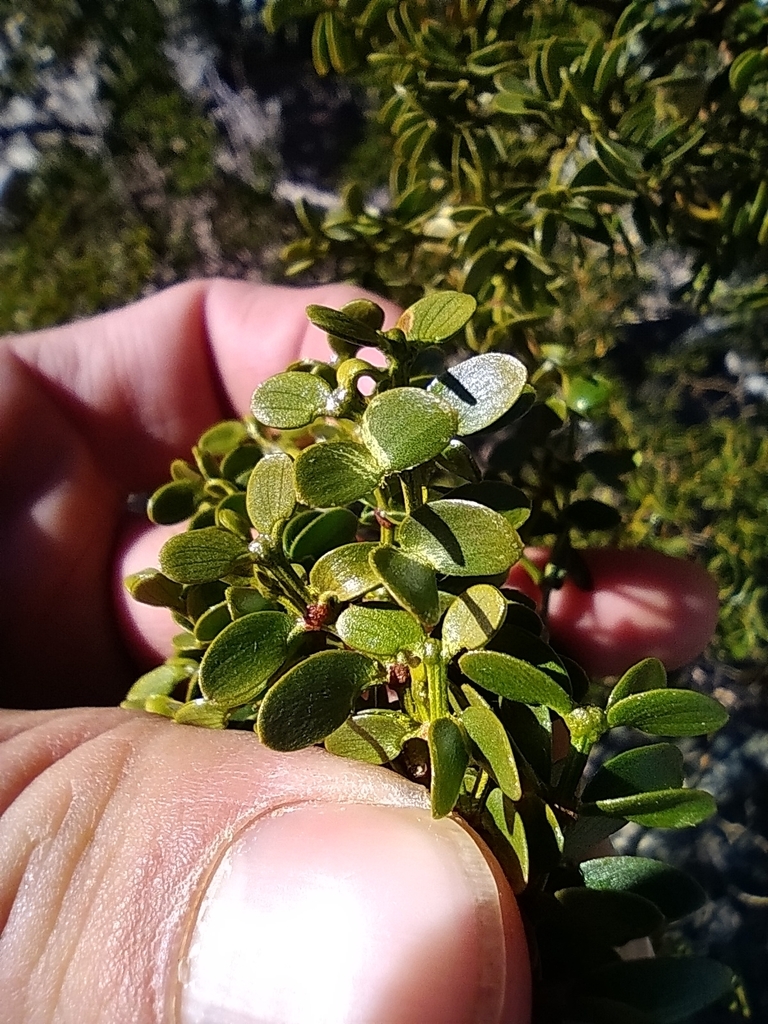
(223, 437)
(473, 618)
(313, 699)
(290, 400)
(406, 426)
(374, 736)
(411, 582)
(510, 502)
(641, 769)
(669, 713)
(201, 555)
(461, 538)
(345, 572)
(336, 473)
(481, 389)
(379, 631)
(271, 494)
(666, 808)
(162, 680)
(203, 714)
(510, 827)
(648, 674)
(152, 587)
(437, 317)
(514, 679)
(244, 656)
(490, 736)
(212, 621)
(342, 325)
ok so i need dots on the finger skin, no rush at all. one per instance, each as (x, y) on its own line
(91, 412)
(113, 822)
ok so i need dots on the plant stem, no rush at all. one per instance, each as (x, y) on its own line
(437, 680)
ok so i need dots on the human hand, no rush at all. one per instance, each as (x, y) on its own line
(150, 870)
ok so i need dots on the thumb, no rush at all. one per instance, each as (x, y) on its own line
(152, 872)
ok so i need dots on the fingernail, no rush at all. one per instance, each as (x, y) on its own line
(347, 914)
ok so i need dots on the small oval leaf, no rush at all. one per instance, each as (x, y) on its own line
(174, 502)
(673, 891)
(510, 828)
(290, 400)
(481, 389)
(271, 495)
(410, 582)
(321, 533)
(473, 618)
(449, 759)
(202, 714)
(648, 674)
(514, 679)
(490, 736)
(461, 538)
(345, 572)
(222, 437)
(200, 556)
(313, 699)
(379, 631)
(336, 473)
(669, 713)
(342, 325)
(610, 916)
(244, 656)
(437, 317)
(375, 737)
(666, 808)
(406, 427)
(642, 769)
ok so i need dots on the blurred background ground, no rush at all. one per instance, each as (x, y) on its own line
(143, 143)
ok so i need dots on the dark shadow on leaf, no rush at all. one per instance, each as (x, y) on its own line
(454, 384)
(478, 615)
(442, 533)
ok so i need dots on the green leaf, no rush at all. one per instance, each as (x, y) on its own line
(510, 502)
(743, 69)
(379, 631)
(666, 808)
(246, 600)
(222, 437)
(151, 587)
(345, 572)
(514, 679)
(200, 556)
(437, 317)
(321, 533)
(613, 917)
(174, 502)
(290, 400)
(341, 325)
(162, 681)
(473, 618)
(313, 699)
(642, 769)
(481, 389)
(669, 713)
(375, 737)
(410, 581)
(212, 621)
(277, 12)
(461, 538)
(405, 427)
(513, 854)
(648, 674)
(202, 714)
(448, 759)
(458, 460)
(673, 891)
(336, 473)
(244, 656)
(271, 495)
(240, 461)
(490, 736)
(668, 989)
